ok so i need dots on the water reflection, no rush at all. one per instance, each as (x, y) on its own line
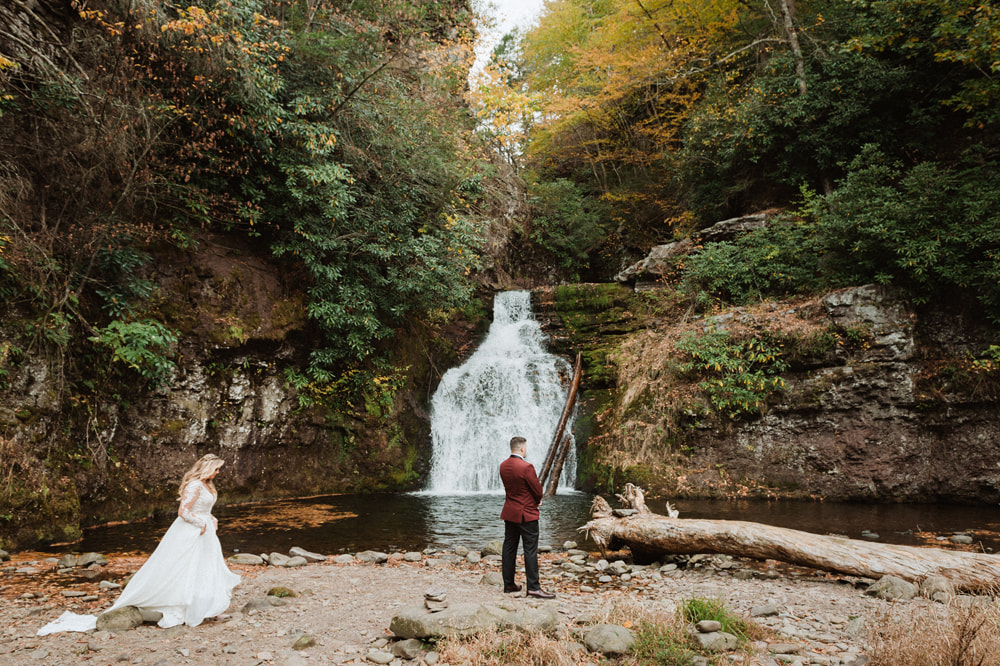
(349, 523)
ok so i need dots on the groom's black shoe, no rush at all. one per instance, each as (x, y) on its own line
(511, 588)
(541, 594)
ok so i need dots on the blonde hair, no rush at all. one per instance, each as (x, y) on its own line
(204, 467)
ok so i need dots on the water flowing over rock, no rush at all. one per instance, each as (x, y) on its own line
(510, 386)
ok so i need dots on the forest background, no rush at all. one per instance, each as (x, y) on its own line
(343, 140)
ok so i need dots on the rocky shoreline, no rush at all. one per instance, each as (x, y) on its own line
(304, 608)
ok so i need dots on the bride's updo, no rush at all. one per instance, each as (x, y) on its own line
(200, 470)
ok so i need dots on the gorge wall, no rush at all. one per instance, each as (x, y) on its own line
(81, 454)
(881, 401)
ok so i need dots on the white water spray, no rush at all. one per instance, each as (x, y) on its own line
(509, 386)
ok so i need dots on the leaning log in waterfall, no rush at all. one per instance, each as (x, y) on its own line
(650, 536)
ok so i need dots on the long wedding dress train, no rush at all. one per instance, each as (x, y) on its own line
(186, 578)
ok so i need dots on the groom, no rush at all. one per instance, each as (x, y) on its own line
(520, 516)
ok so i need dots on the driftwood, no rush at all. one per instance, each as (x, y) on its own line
(560, 460)
(650, 536)
(557, 438)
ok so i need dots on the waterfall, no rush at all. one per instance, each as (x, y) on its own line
(509, 386)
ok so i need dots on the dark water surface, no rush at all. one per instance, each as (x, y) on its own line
(390, 522)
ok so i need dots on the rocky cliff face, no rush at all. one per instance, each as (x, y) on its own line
(76, 456)
(880, 402)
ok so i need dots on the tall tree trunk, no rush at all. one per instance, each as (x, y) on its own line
(787, 17)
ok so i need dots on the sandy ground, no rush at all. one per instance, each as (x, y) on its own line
(346, 608)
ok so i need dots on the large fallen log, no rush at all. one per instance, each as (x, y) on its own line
(650, 536)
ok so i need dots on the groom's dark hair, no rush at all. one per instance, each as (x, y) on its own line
(516, 443)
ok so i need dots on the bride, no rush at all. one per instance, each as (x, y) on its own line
(186, 578)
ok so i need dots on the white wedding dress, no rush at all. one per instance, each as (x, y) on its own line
(186, 577)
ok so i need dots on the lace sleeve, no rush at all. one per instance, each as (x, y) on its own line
(186, 509)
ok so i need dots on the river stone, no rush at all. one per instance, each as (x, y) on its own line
(708, 626)
(246, 558)
(150, 616)
(413, 556)
(937, 588)
(609, 639)
(68, 561)
(108, 585)
(764, 610)
(961, 538)
(492, 578)
(569, 545)
(297, 561)
(379, 657)
(783, 648)
(282, 592)
(372, 557)
(531, 620)
(120, 619)
(347, 558)
(618, 567)
(492, 548)
(4, 556)
(257, 604)
(892, 588)
(459, 620)
(473, 558)
(601, 565)
(278, 559)
(305, 554)
(461, 551)
(717, 641)
(573, 567)
(408, 648)
(88, 559)
(304, 641)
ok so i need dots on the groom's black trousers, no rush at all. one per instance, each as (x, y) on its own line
(527, 533)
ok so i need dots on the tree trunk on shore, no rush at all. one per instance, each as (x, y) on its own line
(649, 536)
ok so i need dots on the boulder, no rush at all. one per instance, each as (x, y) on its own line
(457, 621)
(372, 557)
(306, 555)
(937, 588)
(120, 619)
(662, 260)
(764, 610)
(412, 556)
(532, 620)
(87, 559)
(246, 558)
(892, 588)
(150, 616)
(68, 561)
(278, 559)
(717, 641)
(708, 626)
(492, 578)
(492, 548)
(346, 558)
(609, 639)
(408, 648)
(733, 228)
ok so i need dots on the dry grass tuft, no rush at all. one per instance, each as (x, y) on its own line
(500, 648)
(964, 633)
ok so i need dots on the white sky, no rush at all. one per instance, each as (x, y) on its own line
(510, 14)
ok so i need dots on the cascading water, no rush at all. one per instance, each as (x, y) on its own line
(509, 386)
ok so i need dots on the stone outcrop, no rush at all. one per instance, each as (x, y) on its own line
(662, 260)
(466, 619)
(882, 403)
(79, 459)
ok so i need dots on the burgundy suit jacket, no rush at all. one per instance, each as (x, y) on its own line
(523, 489)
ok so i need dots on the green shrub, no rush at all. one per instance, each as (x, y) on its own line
(739, 374)
(565, 222)
(143, 346)
(695, 610)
